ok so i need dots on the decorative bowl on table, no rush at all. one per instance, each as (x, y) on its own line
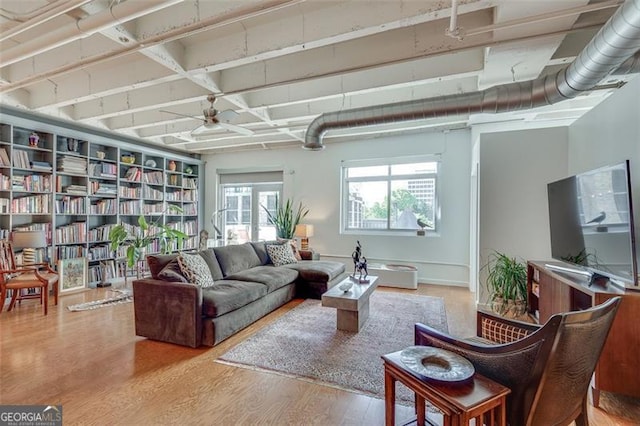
(128, 159)
(345, 286)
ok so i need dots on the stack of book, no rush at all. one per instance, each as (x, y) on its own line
(76, 189)
(43, 166)
(71, 164)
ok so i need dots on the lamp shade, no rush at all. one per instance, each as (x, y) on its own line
(304, 231)
(29, 239)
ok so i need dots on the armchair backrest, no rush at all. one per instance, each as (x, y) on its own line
(7, 259)
(566, 372)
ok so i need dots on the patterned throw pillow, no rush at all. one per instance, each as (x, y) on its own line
(281, 254)
(195, 269)
(294, 247)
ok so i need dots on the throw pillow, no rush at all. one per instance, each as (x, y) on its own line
(172, 272)
(281, 254)
(195, 269)
(294, 247)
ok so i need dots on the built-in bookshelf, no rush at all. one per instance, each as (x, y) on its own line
(76, 187)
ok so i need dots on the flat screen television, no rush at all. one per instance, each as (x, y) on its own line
(591, 223)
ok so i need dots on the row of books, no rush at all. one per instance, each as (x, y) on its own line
(190, 195)
(71, 205)
(129, 192)
(100, 233)
(104, 207)
(130, 207)
(31, 183)
(72, 233)
(152, 193)
(102, 272)
(99, 253)
(156, 178)
(4, 158)
(35, 204)
(70, 252)
(101, 188)
(104, 170)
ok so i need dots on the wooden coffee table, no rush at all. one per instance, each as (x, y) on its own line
(352, 306)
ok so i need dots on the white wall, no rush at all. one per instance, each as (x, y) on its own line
(314, 179)
(515, 168)
(609, 134)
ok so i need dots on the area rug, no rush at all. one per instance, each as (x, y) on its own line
(305, 344)
(123, 296)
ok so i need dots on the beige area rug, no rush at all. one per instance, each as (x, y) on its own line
(123, 296)
(305, 344)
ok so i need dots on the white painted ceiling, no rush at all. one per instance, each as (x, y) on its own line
(119, 65)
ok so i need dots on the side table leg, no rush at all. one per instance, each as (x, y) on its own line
(420, 410)
(389, 399)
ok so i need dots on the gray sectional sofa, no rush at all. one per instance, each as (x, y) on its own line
(247, 287)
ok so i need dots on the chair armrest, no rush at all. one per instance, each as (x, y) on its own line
(497, 329)
(168, 311)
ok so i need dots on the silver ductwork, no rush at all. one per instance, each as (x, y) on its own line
(614, 44)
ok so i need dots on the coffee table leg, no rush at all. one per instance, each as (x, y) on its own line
(389, 399)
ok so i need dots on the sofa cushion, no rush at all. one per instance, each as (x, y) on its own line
(260, 248)
(281, 254)
(209, 256)
(171, 272)
(271, 276)
(317, 270)
(228, 295)
(236, 258)
(195, 269)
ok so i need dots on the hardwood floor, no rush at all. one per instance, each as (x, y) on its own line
(91, 363)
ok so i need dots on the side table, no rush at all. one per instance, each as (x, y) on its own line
(480, 398)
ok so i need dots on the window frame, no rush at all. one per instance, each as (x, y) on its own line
(389, 179)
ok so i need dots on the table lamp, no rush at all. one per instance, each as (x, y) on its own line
(304, 231)
(29, 241)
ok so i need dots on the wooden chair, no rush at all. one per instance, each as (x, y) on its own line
(547, 368)
(17, 278)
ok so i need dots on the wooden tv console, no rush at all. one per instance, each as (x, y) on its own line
(552, 292)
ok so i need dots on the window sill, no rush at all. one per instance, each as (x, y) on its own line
(384, 233)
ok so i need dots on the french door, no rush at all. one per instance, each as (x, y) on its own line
(244, 218)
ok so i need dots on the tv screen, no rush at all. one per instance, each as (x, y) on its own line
(591, 222)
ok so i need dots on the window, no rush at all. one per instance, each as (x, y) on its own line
(390, 195)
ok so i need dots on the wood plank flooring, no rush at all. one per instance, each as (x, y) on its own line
(92, 364)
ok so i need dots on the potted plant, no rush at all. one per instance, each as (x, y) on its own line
(138, 238)
(286, 218)
(507, 284)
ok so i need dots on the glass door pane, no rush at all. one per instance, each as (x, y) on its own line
(244, 219)
(268, 198)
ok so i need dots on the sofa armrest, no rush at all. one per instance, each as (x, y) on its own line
(309, 255)
(168, 311)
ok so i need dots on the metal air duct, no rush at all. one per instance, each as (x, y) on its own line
(616, 41)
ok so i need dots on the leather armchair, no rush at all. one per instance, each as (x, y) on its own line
(548, 368)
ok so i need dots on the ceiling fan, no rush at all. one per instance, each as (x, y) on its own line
(214, 119)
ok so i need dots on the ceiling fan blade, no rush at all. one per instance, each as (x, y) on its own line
(181, 115)
(236, 129)
(199, 130)
(227, 115)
